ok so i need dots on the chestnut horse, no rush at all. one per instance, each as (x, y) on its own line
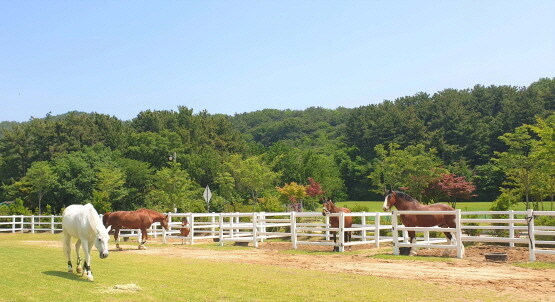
(404, 202)
(140, 219)
(329, 207)
(184, 231)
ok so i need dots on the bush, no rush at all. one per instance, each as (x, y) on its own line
(16, 208)
(472, 232)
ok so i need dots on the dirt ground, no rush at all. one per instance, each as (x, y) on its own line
(471, 272)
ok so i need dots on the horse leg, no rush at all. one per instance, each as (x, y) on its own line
(116, 238)
(144, 237)
(335, 247)
(413, 249)
(87, 264)
(77, 247)
(449, 236)
(67, 251)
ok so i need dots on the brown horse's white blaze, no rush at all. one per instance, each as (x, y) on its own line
(404, 202)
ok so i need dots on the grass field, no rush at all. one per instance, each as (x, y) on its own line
(34, 269)
(376, 206)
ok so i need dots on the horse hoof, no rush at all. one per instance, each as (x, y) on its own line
(120, 249)
(78, 270)
(90, 278)
(70, 271)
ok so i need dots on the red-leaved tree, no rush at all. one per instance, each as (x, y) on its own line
(313, 188)
(450, 188)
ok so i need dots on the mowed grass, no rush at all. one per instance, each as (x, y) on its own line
(376, 206)
(32, 269)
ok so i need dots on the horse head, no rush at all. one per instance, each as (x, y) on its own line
(101, 242)
(165, 222)
(390, 200)
(327, 207)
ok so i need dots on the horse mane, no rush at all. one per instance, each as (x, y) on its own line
(94, 219)
(404, 196)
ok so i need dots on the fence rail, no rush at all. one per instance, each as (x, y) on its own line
(311, 228)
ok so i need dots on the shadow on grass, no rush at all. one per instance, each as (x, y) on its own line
(65, 275)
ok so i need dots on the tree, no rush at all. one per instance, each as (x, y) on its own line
(313, 189)
(451, 188)
(252, 176)
(174, 188)
(528, 164)
(39, 180)
(292, 193)
(518, 163)
(412, 168)
(109, 188)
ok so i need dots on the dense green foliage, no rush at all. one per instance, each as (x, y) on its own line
(353, 154)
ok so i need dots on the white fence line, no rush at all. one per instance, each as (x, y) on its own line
(311, 228)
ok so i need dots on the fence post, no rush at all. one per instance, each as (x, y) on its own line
(231, 222)
(294, 229)
(377, 229)
(213, 221)
(459, 243)
(511, 228)
(255, 229)
(13, 223)
(52, 224)
(394, 232)
(363, 222)
(262, 217)
(531, 235)
(327, 221)
(192, 228)
(221, 223)
(341, 231)
(33, 224)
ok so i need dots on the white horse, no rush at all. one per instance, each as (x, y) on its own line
(83, 223)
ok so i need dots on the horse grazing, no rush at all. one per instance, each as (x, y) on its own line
(404, 202)
(141, 219)
(329, 207)
(83, 223)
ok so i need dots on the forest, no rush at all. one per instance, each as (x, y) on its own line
(492, 143)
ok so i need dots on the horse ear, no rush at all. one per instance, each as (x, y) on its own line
(109, 228)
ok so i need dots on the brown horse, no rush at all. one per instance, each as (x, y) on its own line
(184, 231)
(141, 219)
(404, 202)
(329, 207)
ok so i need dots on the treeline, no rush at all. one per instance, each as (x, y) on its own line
(164, 159)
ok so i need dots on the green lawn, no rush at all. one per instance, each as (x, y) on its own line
(376, 206)
(33, 270)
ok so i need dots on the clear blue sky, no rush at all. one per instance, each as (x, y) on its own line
(123, 57)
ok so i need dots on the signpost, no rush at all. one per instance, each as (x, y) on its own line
(207, 196)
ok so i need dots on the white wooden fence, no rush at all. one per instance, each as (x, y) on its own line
(311, 228)
(520, 225)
